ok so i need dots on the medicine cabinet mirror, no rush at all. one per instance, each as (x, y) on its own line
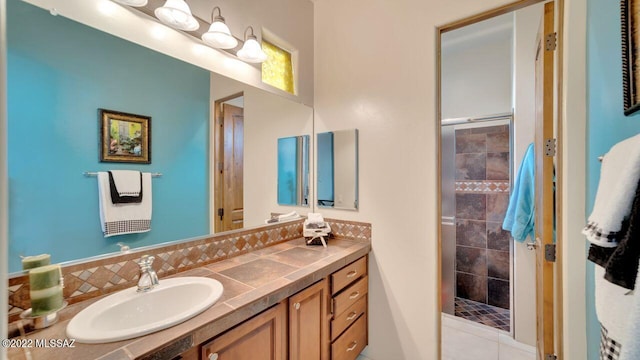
(338, 169)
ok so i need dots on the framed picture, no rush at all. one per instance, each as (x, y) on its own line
(630, 19)
(124, 137)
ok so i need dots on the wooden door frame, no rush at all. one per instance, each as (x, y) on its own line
(217, 145)
(558, 100)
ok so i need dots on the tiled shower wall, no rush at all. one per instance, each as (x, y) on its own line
(482, 196)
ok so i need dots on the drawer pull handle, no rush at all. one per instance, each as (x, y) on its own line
(352, 316)
(296, 306)
(352, 273)
(353, 346)
(213, 356)
(354, 295)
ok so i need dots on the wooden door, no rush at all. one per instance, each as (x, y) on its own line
(544, 180)
(263, 337)
(229, 191)
(309, 323)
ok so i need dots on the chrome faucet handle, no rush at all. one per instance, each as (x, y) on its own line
(145, 261)
(148, 277)
(123, 247)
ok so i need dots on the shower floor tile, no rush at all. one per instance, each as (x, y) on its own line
(495, 317)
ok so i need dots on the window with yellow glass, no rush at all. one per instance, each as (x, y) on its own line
(277, 70)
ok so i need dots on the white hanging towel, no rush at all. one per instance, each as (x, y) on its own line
(127, 218)
(127, 182)
(631, 345)
(619, 174)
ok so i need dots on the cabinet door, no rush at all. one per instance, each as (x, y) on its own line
(309, 323)
(263, 337)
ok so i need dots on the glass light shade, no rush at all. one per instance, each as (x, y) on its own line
(134, 3)
(252, 51)
(176, 13)
(219, 36)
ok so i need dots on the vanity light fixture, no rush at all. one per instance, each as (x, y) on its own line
(219, 36)
(177, 14)
(134, 3)
(251, 50)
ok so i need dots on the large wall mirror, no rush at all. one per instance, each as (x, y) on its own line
(293, 170)
(60, 72)
(337, 168)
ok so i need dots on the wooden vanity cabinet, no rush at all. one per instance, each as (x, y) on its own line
(309, 323)
(326, 321)
(263, 337)
(349, 289)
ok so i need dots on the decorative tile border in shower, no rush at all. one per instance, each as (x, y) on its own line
(90, 279)
(483, 186)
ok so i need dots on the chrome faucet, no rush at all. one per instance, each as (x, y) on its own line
(148, 277)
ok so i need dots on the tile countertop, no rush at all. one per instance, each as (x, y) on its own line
(252, 283)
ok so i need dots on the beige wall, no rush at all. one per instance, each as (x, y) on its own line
(375, 71)
(574, 115)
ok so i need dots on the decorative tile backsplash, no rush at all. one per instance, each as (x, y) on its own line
(90, 279)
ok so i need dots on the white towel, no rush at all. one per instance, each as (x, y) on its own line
(282, 217)
(315, 218)
(613, 304)
(631, 345)
(619, 174)
(288, 216)
(118, 219)
(127, 182)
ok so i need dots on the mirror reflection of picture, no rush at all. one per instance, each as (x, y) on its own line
(125, 137)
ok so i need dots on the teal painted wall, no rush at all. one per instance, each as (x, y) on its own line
(606, 123)
(59, 73)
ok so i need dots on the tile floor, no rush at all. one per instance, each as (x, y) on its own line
(465, 340)
(495, 317)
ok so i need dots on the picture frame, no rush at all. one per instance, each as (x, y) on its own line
(630, 20)
(124, 137)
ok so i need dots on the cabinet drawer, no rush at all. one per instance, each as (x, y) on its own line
(350, 344)
(345, 276)
(342, 321)
(350, 295)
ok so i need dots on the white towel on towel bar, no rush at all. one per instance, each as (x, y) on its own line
(128, 218)
(619, 174)
(127, 182)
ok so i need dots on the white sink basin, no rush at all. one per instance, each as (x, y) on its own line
(128, 313)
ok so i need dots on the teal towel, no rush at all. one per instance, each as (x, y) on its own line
(519, 218)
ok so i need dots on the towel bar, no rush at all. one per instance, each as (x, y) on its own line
(89, 173)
